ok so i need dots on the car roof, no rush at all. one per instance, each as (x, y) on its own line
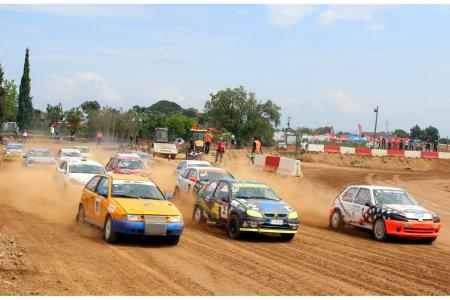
(235, 180)
(376, 187)
(13, 143)
(84, 162)
(207, 168)
(39, 149)
(126, 155)
(69, 150)
(203, 162)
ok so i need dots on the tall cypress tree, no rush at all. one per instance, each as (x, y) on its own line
(25, 112)
(2, 98)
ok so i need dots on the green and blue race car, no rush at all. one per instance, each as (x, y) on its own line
(245, 206)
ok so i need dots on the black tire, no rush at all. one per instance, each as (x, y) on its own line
(81, 215)
(336, 221)
(173, 240)
(287, 236)
(197, 215)
(379, 230)
(429, 240)
(233, 227)
(109, 235)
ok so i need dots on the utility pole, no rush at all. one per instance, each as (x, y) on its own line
(375, 131)
(285, 135)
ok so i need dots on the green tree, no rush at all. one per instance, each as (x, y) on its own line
(54, 114)
(165, 107)
(239, 112)
(180, 125)
(400, 133)
(191, 113)
(90, 106)
(2, 98)
(74, 117)
(10, 101)
(416, 132)
(431, 133)
(25, 112)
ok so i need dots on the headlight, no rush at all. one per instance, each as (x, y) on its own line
(254, 213)
(175, 219)
(293, 215)
(436, 219)
(397, 217)
(132, 217)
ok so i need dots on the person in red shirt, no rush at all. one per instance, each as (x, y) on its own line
(220, 149)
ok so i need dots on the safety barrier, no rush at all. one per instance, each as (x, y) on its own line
(280, 165)
(376, 152)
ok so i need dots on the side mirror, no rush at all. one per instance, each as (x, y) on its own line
(103, 192)
(368, 204)
(169, 195)
(194, 180)
(224, 198)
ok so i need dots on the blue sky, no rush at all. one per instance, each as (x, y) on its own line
(324, 65)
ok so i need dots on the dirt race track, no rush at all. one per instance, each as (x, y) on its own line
(43, 252)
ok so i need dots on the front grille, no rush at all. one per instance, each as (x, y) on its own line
(273, 215)
(155, 225)
(420, 230)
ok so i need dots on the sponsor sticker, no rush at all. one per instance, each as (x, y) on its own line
(234, 203)
(111, 208)
(143, 182)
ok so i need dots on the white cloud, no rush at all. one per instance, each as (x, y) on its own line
(342, 101)
(346, 13)
(80, 87)
(376, 27)
(288, 15)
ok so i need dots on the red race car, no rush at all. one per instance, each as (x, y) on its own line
(127, 163)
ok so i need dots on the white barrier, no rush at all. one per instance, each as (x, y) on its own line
(415, 154)
(290, 167)
(260, 160)
(444, 155)
(347, 150)
(379, 152)
(316, 148)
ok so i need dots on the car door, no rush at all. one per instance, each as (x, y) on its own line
(101, 198)
(220, 201)
(88, 196)
(345, 202)
(359, 206)
(181, 179)
(191, 180)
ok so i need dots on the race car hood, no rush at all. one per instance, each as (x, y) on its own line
(132, 171)
(81, 177)
(409, 211)
(148, 207)
(266, 206)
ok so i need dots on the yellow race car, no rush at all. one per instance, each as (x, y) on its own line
(13, 151)
(126, 204)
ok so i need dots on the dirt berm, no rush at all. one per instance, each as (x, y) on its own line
(59, 258)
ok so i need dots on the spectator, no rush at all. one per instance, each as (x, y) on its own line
(24, 136)
(52, 131)
(99, 135)
(220, 150)
(256, 149)
(208, 139)
(137, 142)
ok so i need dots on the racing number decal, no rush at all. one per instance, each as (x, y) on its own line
(224, 211)
(97, 206)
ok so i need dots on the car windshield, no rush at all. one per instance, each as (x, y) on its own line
(86, 169)
(14, 147)
(383, 197)
(84, 150)
(209, 175)
(136, 190)
(253, 191)
(130, 164)
(144, 156)
(40, 153)
(198, 165)
(71, 154)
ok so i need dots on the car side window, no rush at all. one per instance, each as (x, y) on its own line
(181, 165)
(62, 165)
(185, 172)
(349, 195)
(210, 189)
(362, 197)
(103, 185)
(222, 192)
(109, 164)
(193, 174)
(91, 185)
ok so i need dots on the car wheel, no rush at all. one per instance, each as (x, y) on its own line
(81, 215)
(379, 230)
(173, 240)
(197, 215)
(109, 235)
(233, 227)
(287, 236)
(336, 220)
(429, 240)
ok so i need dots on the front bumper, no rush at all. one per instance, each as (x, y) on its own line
(134, 227)
(259, 225)
(12, 156)
(413, 228)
